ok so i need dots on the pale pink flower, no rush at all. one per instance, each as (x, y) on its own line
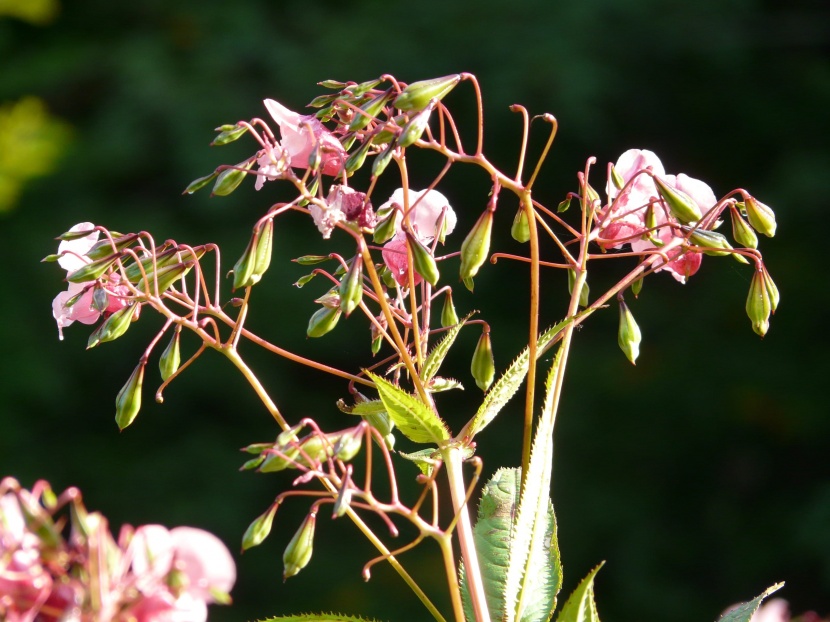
(623, 222)
(342, 204)
(775, 610)
(302, 135)
(430, 216)
(73, 257)
(272, 164)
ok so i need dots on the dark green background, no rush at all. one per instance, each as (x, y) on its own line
(701, 475)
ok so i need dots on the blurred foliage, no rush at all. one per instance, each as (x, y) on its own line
(701, 475)
(38, 12)
(30, 143)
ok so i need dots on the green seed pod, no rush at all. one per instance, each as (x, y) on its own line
(520, 230)
(274, 462)
(583, 295)
(710, 240)
(417, 95)
(298, 552)
(388, 278)
(370, 110)
(351, 287)
(377, 342)
(637, 287)
(483, 366)
(198, 184)
(128, 400)
(113, 327)
(424, 262)
(741, 231)
(476, 246)
(382, 160)
(616, 178)
(629, 336)
(249, 268)
(348, 444)
(258, 530)
(772, 290)
(92, 271)
(680, 204)
(357, 158)
(171, 358)
(343, 501)
(413, 130)
(104, 248)
(758, 303)
(228, 180)
(448, 315)
(228, 134)
(168, 275)
(385, 229)
(323, 321)
(564, 205)
(760, 216)
(100, 299)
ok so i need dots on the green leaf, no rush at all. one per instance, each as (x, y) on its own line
(318, 617)
(534, 574)
(417, 421)
(433, 361)
(424, 459)
(508, 384)
(492, 534)
(581, 606)
(744, 611)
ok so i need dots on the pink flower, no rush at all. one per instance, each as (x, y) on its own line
(342, 204)
(623, 222)
(179, 572)
(302, 135)
(430, 216)
(73, 257)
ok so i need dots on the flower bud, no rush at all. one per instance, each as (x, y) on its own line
(357, 157)
(171, 358)
(382, 160)
(104, 248)
(249, 269)
(476, 246)
(483, 366)
(629, 335)
(760, 216)
(323, 321)
(710, 241)
(680, 204)
(448, 315)
(424, 262)
(128, 400)
(258, 530)
(275, 462)
(100, 299)
(228, 180)
(377, 342)
(564, 204)
(418, 95)
(742, 232)
(388, 278)
(385, 228)
(520, 230)
(412, 131)
(758, 303)
(351, 286)
(113, 327)
(583, 294)
(616, 178)
(298, 552)
(343, 500)
(369, 111)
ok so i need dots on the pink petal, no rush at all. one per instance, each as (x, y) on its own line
(205, 560)
(396, 259)
(77, 249)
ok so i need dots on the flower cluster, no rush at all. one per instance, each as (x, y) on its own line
(87, 301)
(150, 574)
(638, 216)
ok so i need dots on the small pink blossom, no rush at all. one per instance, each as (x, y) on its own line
(73, 257)
(302, 135)
(342, 204)
(624, 221)
(430, 216)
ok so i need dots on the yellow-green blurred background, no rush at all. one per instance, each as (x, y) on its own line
(701, 476)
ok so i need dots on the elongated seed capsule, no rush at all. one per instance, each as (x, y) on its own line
(128, 400)
(629, 336)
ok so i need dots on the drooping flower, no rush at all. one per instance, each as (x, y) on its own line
(430, 216)
(302, 135)
(624, 220)
(85, 309)
(342, 204)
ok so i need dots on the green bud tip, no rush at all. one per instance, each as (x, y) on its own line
(298, 552)
(483, 367)
(476, 246)
(629, 336)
